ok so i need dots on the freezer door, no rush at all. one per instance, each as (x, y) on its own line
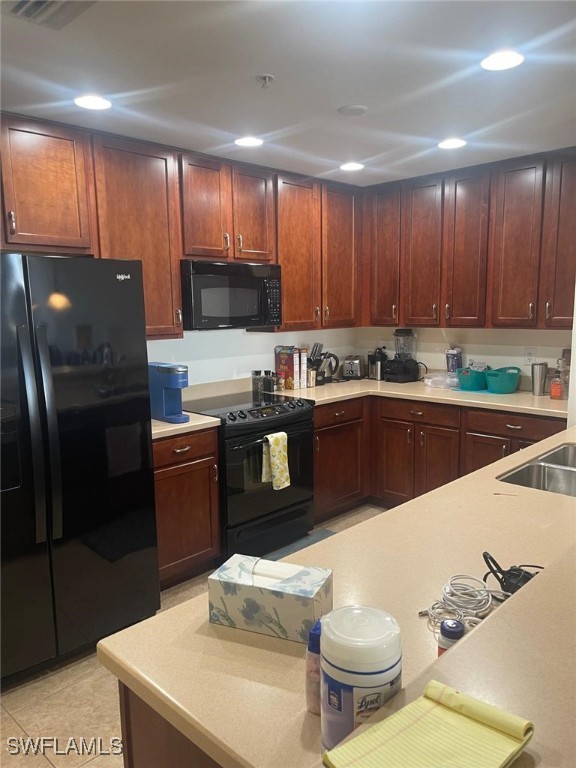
(28, 630)
(89, 332)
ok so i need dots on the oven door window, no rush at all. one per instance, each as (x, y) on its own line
(227, 301)
(248, 498)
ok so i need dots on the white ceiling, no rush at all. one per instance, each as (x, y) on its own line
(183, 73)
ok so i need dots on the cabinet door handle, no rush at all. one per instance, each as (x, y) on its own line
(326, 312)
(339, 413)
(531, 310)
(504, 449)
(417, 413)
(226, 241)
(317, 443)
(435, 311)
(240, 246)
(409, 437)
(447, 311)
(394, 312)
(548, 310)
(215, 473)
(317, 312)
(178, 317)
(421, 439)
(514, 426)
(181, 450)
(12, 221)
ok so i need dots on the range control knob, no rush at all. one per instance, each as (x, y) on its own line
(242, 414)
(300, 403)
(292, 404)
(231, 416)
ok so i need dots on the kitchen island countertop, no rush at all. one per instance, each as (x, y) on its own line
(239, 696)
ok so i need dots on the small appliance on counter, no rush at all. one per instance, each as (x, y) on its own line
(353, 367)
(167, 380)
(403, 367)
(375, 361)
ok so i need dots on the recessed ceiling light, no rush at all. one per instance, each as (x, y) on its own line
(249, 141)
(502, 60)
(353, 110)
(351, 167)
(452, 144)
(92, 101)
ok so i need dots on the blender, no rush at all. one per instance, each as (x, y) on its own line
(403, 367)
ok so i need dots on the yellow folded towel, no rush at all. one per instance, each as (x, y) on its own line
(275, 460)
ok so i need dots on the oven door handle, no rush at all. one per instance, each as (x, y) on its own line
(243, 446)
(290, 433)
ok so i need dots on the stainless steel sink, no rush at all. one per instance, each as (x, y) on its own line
(544, 477)
(564, 455)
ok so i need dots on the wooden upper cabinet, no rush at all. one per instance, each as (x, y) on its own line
(558, 258)
(254, 221)
(340, 302)
(138, 218)
(45, 177)
(384, 249)
(299, 252)
(514, 244)
(227, 211)
(465, 248)
(207, 222)
(421, 251)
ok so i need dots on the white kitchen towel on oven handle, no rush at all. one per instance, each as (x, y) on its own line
(275, 460)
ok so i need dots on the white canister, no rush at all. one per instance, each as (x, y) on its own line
(361, 665)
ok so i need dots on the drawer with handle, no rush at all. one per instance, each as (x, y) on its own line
(419, 411)
(338, 413)
(512, 424)
(188, 447)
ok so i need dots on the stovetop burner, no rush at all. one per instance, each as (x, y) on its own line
(242, 411)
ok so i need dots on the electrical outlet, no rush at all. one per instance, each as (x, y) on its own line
(530, 355)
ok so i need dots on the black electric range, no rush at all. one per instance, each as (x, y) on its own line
(242, 413)
(256, 519)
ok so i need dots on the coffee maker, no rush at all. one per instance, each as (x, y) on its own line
(402, 367)
(167, 380)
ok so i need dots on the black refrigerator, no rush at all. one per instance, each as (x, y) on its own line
(78, 546)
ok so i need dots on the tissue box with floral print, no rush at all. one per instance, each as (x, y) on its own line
(278, 599)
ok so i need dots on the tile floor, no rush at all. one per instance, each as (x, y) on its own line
(79, 699)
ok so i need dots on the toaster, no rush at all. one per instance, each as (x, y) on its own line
(353, 367)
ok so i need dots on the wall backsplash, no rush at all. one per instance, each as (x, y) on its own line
(223, 355)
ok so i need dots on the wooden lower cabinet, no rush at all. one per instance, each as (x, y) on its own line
(339, 458)
(187, 504)
(150, 741)
(489, 435)
(413, 457)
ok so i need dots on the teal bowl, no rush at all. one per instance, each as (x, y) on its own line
(471, 380)
(503, 381)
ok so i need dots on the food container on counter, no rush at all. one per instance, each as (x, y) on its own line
(503, 381)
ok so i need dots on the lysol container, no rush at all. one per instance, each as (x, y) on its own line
(361, 666)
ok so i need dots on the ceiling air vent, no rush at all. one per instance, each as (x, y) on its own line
(55, 14)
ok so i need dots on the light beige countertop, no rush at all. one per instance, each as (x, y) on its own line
(517, 402)
(239, 696)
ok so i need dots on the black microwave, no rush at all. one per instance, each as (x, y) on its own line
(222, 295)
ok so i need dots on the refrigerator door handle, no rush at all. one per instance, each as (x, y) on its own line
(52, 423)
(39, 481)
